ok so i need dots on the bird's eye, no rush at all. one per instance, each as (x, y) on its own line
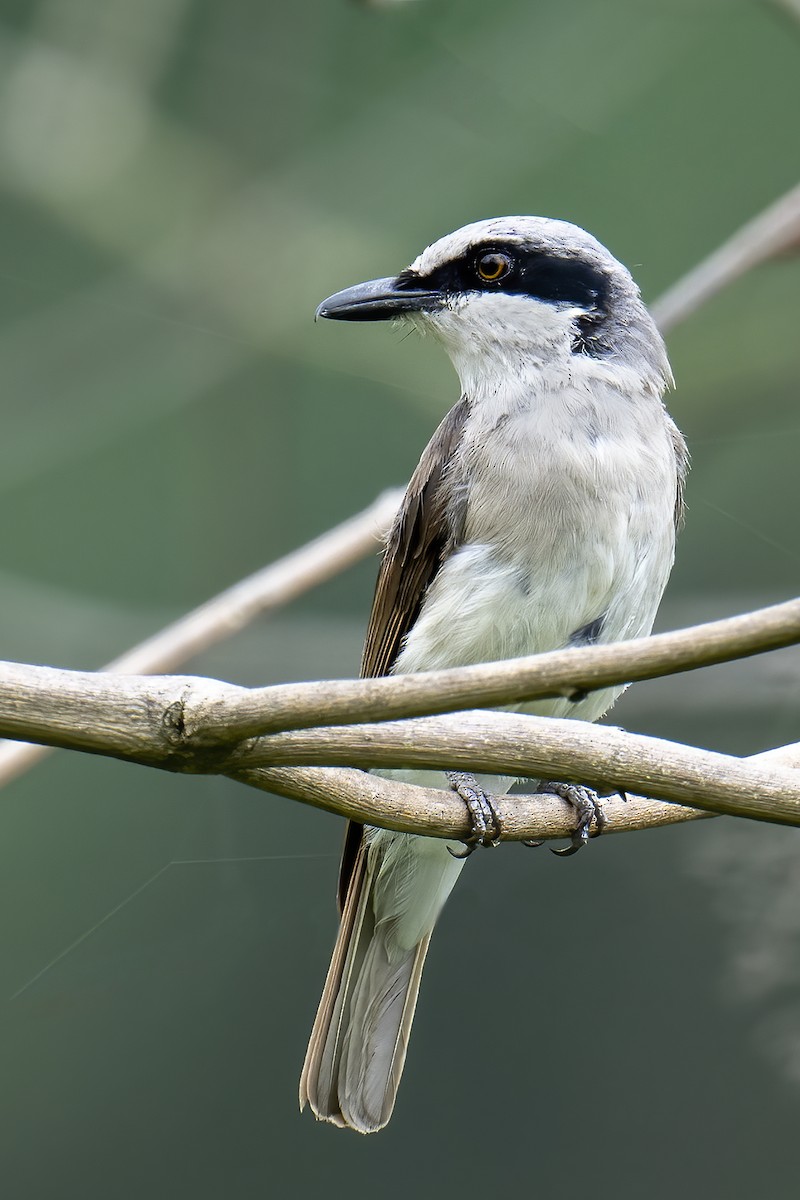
(493, 267)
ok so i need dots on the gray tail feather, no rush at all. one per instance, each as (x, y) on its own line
(358, 1044)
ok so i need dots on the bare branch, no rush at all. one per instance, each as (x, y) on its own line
(787, 8)
(231, 610)
(142, 719)
(537, 677)
(135, 717)
(543, 747)
(270, 588)
(196, 719)
(774, 232)
(438, 813)
(404, 806)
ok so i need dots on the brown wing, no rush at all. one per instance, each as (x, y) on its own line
(682, 465)
(428, 526)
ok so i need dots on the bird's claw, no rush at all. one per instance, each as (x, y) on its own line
(588, 808)
(485, 824)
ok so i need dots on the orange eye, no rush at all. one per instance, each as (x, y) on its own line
(493, 267)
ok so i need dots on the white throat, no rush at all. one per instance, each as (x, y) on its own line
(504, 343)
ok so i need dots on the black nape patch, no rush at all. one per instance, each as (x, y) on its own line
(587, 635)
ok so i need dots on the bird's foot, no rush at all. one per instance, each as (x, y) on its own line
(588, 808)
(486, 829)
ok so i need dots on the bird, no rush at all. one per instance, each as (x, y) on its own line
(542, 514)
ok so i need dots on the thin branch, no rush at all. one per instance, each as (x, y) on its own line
(567, 673)
(231, 610)
(143, 723)
(434, 812)
(199, 718)
(263, 592)
(412, 809)
(787, 8)
(774, 232)
(545, 748)
(141, 719)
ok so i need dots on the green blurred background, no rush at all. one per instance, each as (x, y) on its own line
(182, 182)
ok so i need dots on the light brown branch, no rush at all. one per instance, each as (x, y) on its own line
(787, 8)
(205, 716)
(775, 231)
(225, 614)
(142, 719)
(543, 747)
(263, 592)
(438, 813)
(408, 808)
(557, 673)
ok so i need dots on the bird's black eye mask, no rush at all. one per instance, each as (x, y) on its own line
(513, 269)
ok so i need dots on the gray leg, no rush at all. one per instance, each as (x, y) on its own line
(483, 819)
(588, 807)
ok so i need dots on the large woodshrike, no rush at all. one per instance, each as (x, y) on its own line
(542, 514)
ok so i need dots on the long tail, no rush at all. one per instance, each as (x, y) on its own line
(358, 1044)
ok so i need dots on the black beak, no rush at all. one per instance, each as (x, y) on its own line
(378, 300)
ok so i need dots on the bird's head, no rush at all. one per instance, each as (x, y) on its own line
(513, 293)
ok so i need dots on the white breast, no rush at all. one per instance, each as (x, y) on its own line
(570, 517)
